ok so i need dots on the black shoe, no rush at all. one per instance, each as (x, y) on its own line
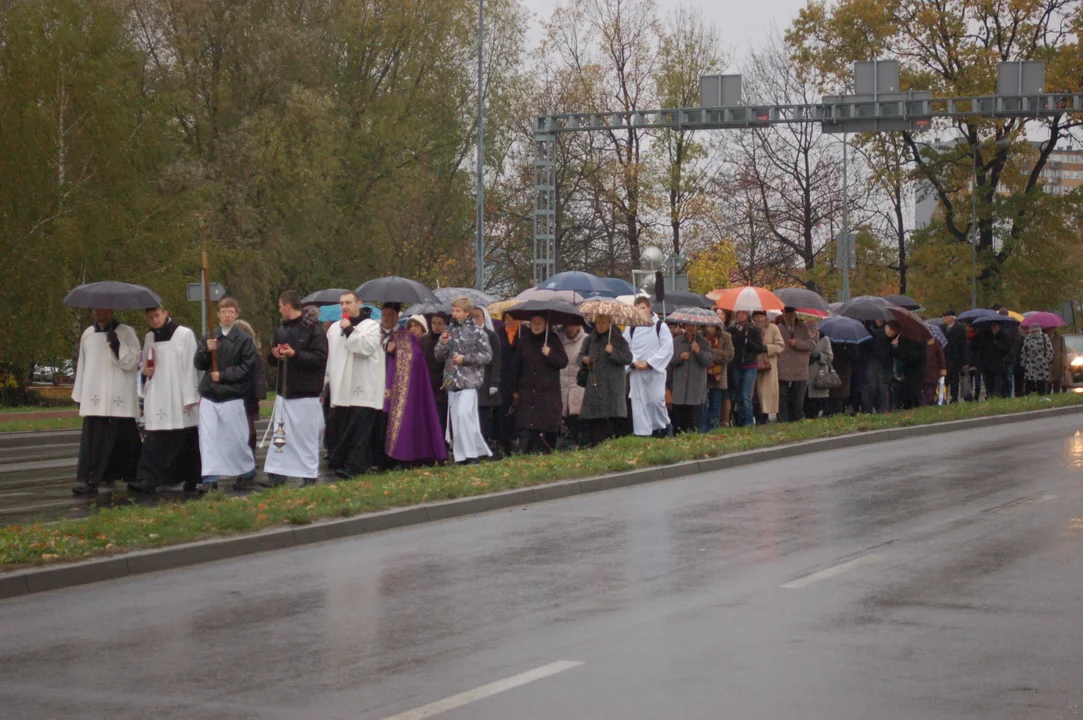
(308, 482)
(141, 487)
(82, 488)
(273, 481)
(243, 485)
(345, 474)
(205, 487)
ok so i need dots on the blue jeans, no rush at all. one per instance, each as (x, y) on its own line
(711, 416)
(745, 383)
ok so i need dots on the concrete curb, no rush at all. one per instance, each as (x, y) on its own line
(25, 582)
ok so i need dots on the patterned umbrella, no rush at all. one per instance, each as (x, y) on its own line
(938, 334)
(622, 314)
(693, 316)
(749, 299)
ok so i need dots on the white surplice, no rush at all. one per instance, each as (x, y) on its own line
(356, 366)
(175, 384)
(107, 385)
(300, 456)
(464, 427)
(647, 388)
(223, 439)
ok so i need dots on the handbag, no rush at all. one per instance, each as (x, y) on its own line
(582, 377)
(1066, 377)
(763, 363)
(826, 378)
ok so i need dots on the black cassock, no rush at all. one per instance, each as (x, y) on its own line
(170, 457)
(108, 450)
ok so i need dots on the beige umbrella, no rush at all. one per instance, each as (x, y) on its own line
(621, 314)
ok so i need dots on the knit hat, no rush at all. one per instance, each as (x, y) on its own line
(420, 320)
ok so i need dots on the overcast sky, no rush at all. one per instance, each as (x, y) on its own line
(742, 24)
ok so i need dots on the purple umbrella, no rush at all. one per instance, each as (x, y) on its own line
(1045, 319)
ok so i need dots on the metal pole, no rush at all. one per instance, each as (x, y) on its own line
(974, 235)
(479, 279)
(846, 217)
(202, 303)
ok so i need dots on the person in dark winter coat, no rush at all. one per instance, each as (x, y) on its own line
(880, 371)
(605, 355)
(489, 392)
(844, 357)
(538, 414)
(747, 347)
(688, 368)
(908, 359)
(955, 353)
(992, 351)
(437, 324)
(503, 416)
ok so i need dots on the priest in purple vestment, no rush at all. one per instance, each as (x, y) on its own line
(414, 434)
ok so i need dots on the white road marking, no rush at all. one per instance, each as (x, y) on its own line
(472, 696)
(1025, 503)
(829, 572)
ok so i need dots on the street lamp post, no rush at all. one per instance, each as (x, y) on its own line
(846, 216)
(479, 270)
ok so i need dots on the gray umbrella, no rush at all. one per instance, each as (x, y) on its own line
(112, 295)
(477, 297)
(330, 296)
(802, 298)
(395, 289)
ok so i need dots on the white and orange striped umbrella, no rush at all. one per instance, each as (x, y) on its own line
(748, 299)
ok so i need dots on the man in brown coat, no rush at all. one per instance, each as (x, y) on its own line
(793, 366)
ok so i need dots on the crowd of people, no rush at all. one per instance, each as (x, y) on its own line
(378, 394)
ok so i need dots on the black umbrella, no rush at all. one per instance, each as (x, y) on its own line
(865, 310)
(904, 302)
(556, 312)
(112, 295)
(680, 298)
(995, 319)
(802, 298)
(396, 289)
(330, 296)
(553, 310)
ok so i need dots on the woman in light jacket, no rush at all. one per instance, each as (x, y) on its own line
(767, 377)
(821, 356)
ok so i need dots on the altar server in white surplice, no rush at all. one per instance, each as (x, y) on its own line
(223, 421)
(652, 349)
(170, 406)
(356, 378)
(106, 388)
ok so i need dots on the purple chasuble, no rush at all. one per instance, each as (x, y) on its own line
(413, 427)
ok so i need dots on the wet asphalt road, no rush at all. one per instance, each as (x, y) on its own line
(934, 578)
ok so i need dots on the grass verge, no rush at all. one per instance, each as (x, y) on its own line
(127, 528)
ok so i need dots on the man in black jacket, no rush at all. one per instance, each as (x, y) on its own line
(993, 350)
(955, 352)
(300, 351)
(223, 422)
(880, 371)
